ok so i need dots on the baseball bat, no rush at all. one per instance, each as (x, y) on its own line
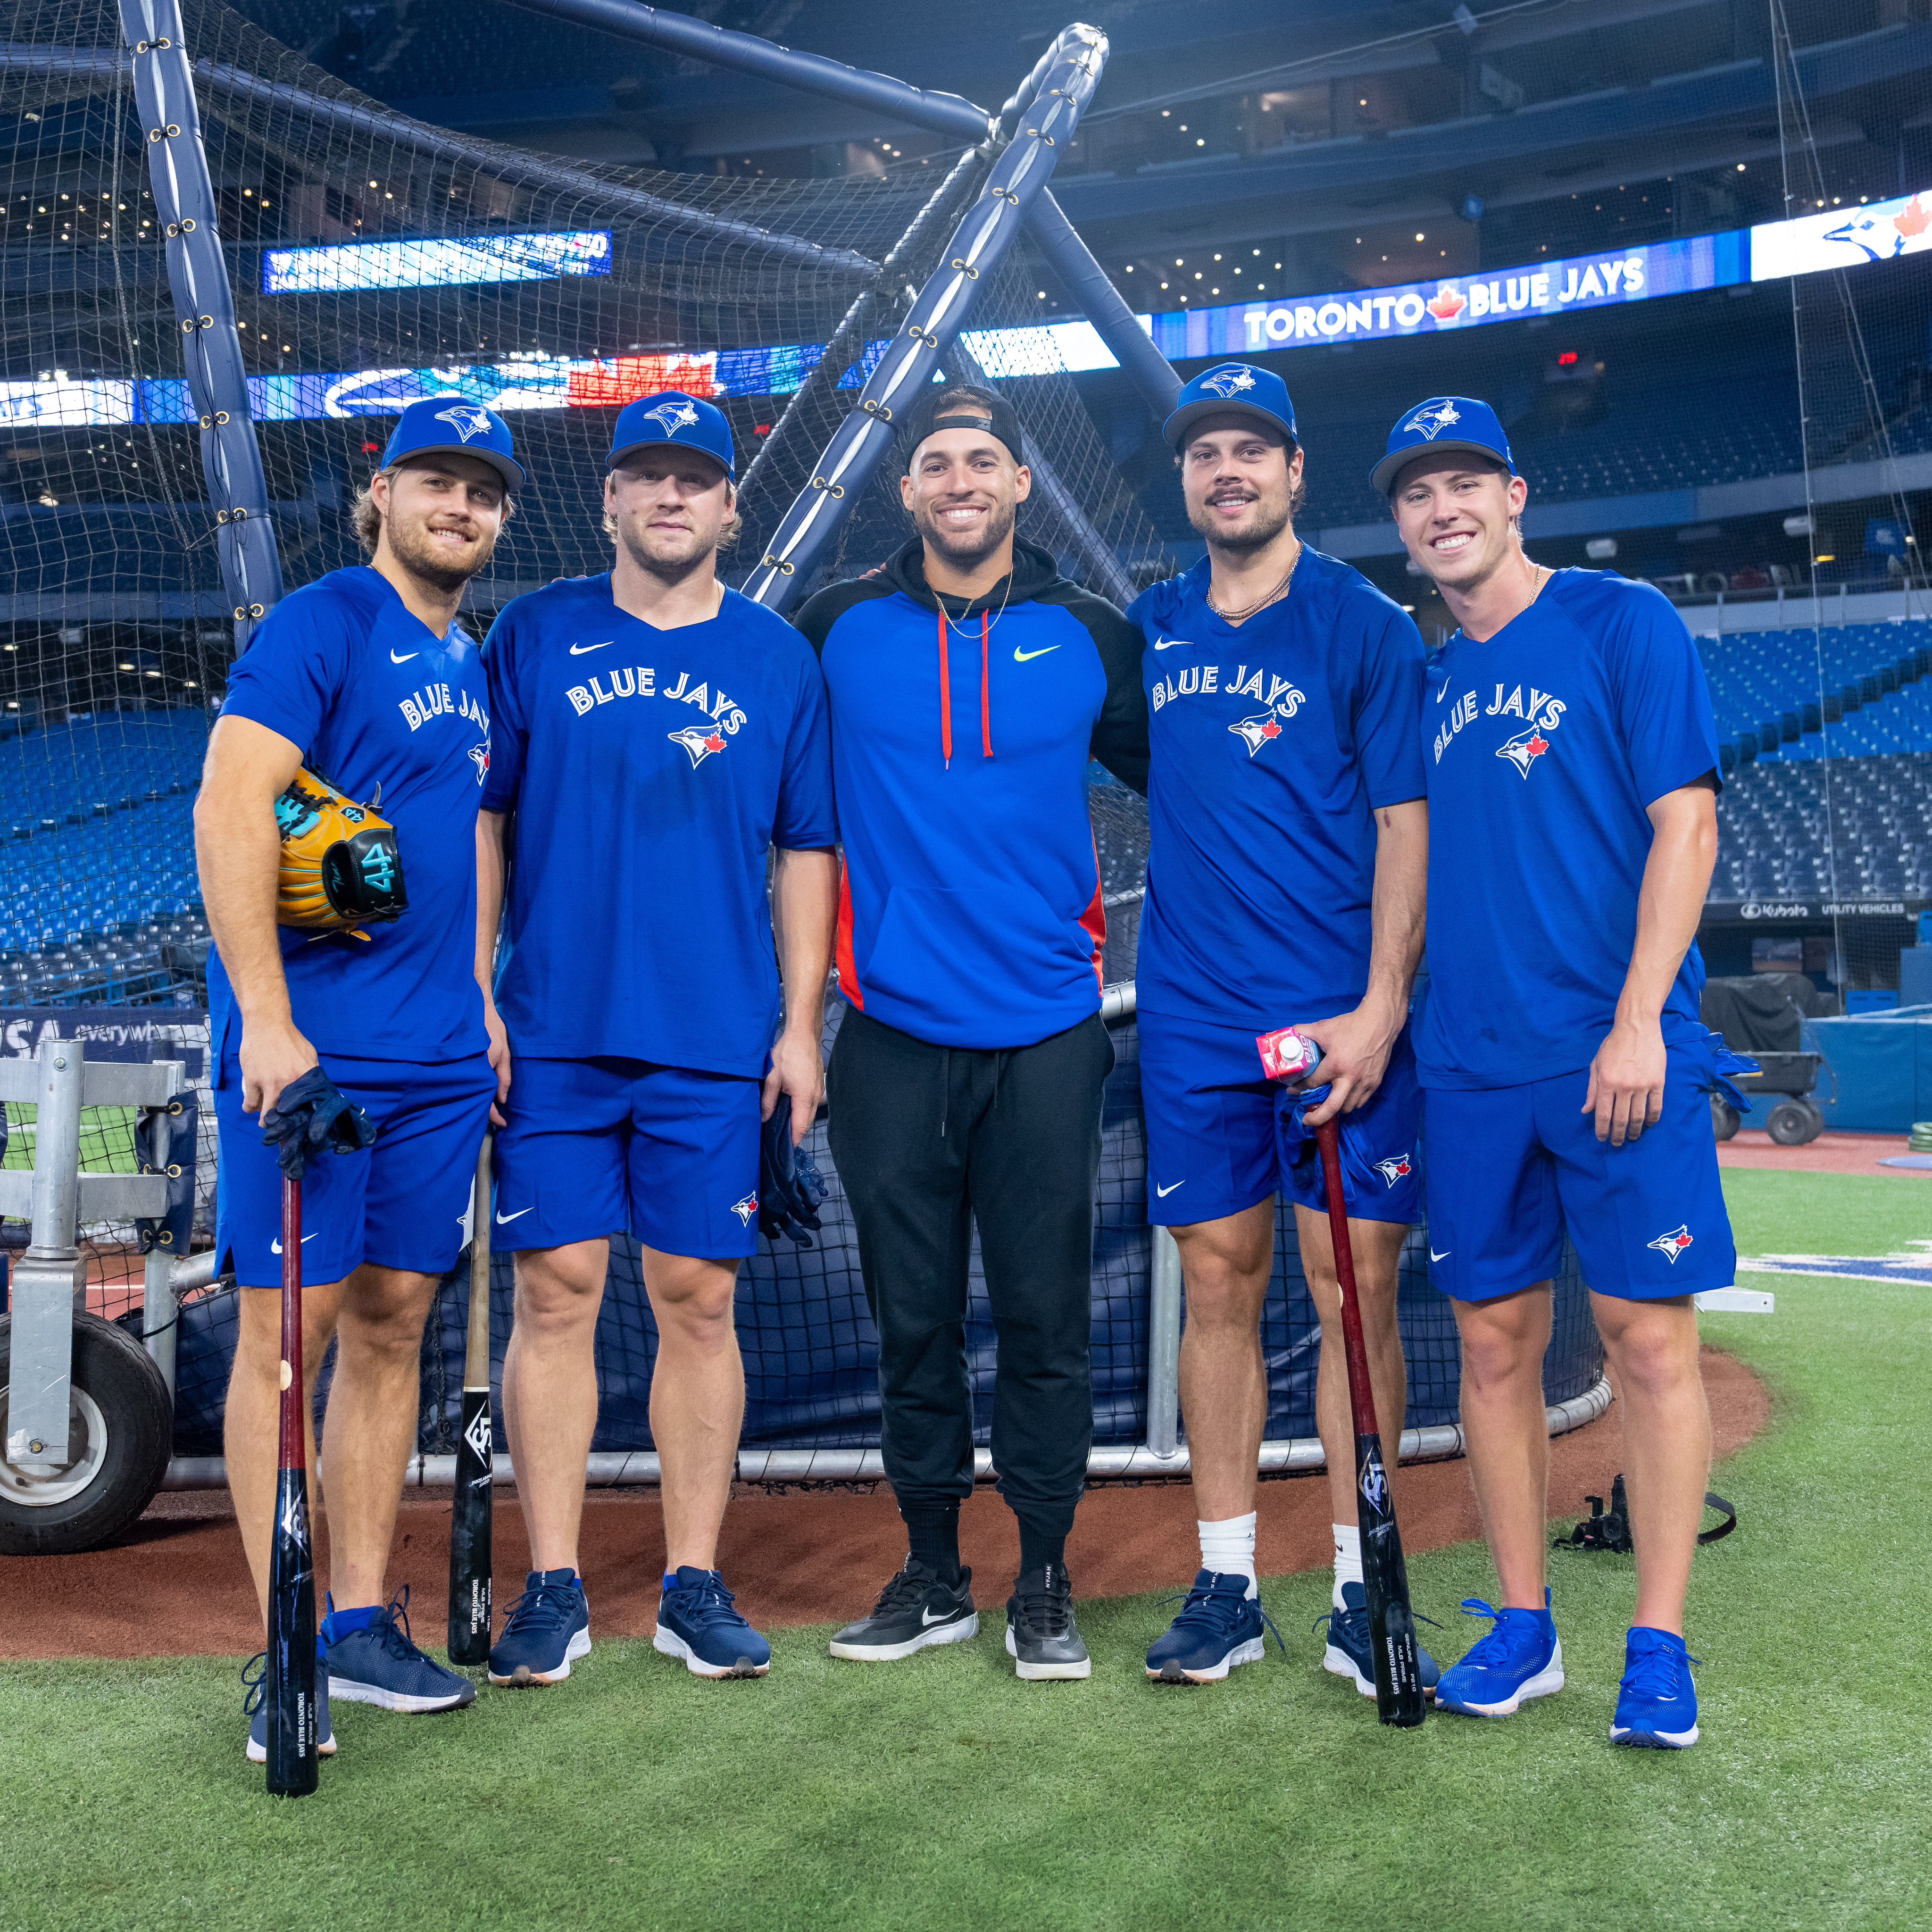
(1384, 1579)
(294, 1758)
(470, 1608)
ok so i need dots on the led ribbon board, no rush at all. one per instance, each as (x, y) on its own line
(355, 268)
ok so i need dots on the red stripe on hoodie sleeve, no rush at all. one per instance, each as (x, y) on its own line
(1094, 920)
(848, 970)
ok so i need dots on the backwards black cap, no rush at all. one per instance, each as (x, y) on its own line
(961, 406)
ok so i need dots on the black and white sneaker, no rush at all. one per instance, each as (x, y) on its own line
(915, 1609)
(1041, 1637)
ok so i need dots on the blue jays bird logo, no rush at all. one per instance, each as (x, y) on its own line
(672, 416)
(1397, 1167)
(1672, 1245)
(479, 757)
(1230, 381)
(700, 740)
(1256, 732)
(467, 419)
(1432, 419)
(745, 1209)
(1879, 239)
(1524, 749)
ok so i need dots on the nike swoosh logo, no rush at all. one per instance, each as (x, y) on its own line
(925, 1616)
(1162, 1193)
(503, 1220)
(1027, 657)
(1443, 692)
(581, 650)
(1171, 644)
(275, 1246)
(1443, 1256)
(405, 658)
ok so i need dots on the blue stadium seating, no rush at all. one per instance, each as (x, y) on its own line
(1784, 694)
(1784, 833)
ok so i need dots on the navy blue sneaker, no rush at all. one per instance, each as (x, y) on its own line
(1350, 1654)
(255, 1705)
(1657, 1706)
(378, 1664)
(547, 1630)
(1220, 1626)
(1520, 1658)
(698, 1621)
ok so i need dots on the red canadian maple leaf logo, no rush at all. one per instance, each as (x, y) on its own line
(1448, 303)
(1911, 219)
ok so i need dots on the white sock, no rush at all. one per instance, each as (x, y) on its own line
(1348, 1557)
(1228, 1548)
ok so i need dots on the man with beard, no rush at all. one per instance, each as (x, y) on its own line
(657, 735)
(365, 678)
(1285, 887)
(970, 685)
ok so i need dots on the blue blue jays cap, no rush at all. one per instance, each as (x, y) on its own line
(1242, 386)
(1442, 424)
(674, 417)
(455, 426)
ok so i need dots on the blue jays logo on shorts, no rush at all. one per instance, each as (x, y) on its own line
(1397, 1167)
(672, 416)
(700, 740)
(467, 419)
(479, 757)
(1230, 381)
(1431, 420)
(1672, 1245)
(1524, 749)
(1256, 732)
(745, 1209)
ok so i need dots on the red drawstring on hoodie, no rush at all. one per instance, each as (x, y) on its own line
(985, 689)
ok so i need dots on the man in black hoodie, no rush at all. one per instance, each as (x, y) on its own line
(970, 685)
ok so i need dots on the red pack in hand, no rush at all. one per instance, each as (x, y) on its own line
(1285, 1054)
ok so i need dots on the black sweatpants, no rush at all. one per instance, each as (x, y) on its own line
(924, 1136)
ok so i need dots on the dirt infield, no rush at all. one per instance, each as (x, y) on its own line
(1829, 1154)
(177, 1585)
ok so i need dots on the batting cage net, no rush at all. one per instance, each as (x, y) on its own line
(373, 260)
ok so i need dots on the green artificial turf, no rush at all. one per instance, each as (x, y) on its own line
(941, 1793)
(1779, 1212)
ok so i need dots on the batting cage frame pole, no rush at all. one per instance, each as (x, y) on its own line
(217, 380)
(813, 74)
(944, 305)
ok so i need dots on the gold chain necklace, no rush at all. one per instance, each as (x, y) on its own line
(1280, 590)
(953, 624)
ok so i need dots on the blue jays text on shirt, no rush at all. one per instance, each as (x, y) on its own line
(1282, 699)
(433, 700)
(1539, 712)
(640, 681)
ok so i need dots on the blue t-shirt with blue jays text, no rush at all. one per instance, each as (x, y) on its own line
(396, 717)
(1275, 742)
(1545, 745)
(649, 773)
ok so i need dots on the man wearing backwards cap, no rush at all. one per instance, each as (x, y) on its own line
(970, 685)
(1284, 887)
(366, 678)
(1572, 761)
(657, 735)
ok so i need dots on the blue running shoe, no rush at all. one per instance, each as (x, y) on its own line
(1657, 1707)
(547, 1630)
(1520, 1657)
(255, 1705)
(378, 1664)
(698, 1621)
(1220, 1626)
(1351, 1655)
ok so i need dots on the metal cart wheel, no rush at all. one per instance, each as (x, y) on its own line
(1792, 1124)
(1725, 1118)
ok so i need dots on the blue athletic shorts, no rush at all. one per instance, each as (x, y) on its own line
(1509, 1168)
(592, 1146)
(401, 1204)
(1210, 1128)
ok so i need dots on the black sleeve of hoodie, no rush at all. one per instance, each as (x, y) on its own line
(1120, 740)
(819, 612)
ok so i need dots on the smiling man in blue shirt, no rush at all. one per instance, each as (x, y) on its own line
(366, 678)
(1571, 756)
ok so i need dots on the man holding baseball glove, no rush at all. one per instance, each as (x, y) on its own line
(335, 833)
